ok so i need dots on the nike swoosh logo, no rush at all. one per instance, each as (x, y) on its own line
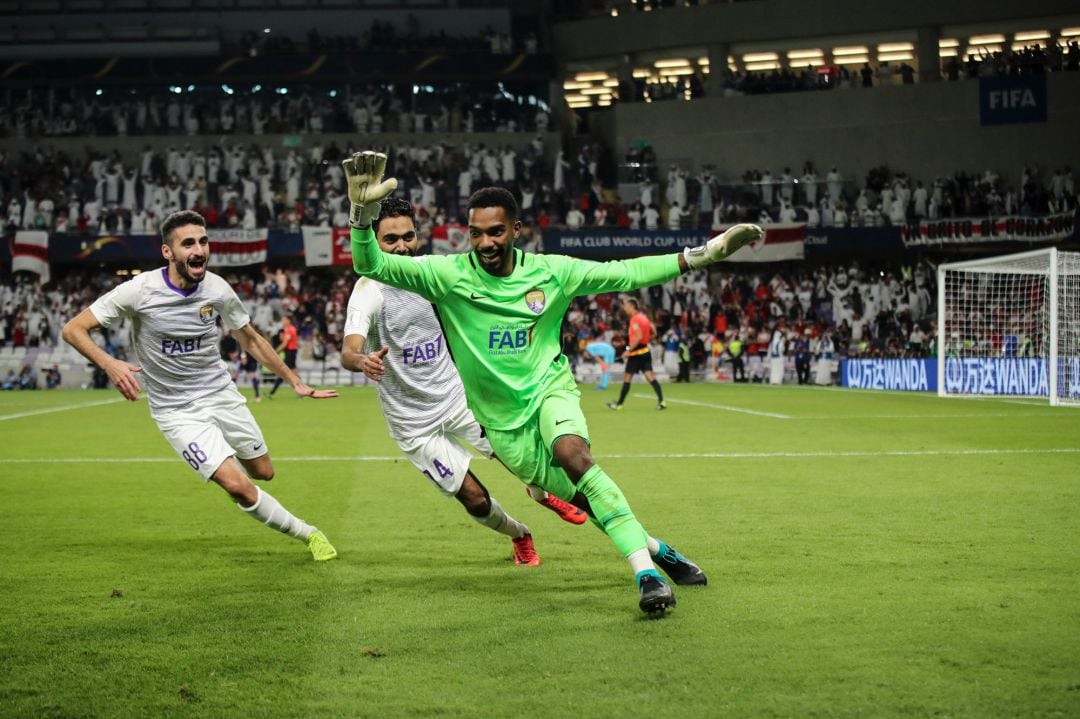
(474, 296)
(558, 422)
(259, 445)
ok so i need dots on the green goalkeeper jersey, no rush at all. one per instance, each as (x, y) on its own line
(505, 333)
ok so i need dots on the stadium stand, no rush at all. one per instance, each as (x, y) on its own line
(226, 136)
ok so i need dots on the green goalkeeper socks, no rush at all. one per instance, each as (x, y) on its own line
(611, 509)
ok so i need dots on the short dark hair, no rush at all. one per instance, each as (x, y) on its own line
(632, 301)
(393, 207)
(179, 219)
(495, 197)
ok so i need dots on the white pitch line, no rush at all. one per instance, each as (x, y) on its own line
(859, 391)
(645, 455)
(858, 417)
(62, 408)
(842, 453)
(728, 408)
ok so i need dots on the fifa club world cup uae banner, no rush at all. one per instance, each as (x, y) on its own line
(30, 253)
(235, 248)
(972, 230)
(783, 241)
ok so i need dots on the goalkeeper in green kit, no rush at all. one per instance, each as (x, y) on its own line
(501, 311)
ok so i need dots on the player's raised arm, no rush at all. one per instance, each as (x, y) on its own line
(122, 374)
(367, 189)
(255, 344)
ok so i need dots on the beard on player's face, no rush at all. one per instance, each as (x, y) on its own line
(192, 269)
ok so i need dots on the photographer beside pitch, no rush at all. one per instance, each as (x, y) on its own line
(501, 311)
(192, 396)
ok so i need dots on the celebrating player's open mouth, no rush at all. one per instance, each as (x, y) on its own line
(194, 269)
(188, 253)
(490, 258)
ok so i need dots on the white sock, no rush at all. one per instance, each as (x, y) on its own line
(270, 512)
(653, 544)
(640, 561)
(502, 522)
(536, 493)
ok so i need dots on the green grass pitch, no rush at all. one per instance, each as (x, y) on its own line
(869, 554)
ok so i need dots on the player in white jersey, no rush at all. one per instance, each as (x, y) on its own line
(420, 392)
(192, 398)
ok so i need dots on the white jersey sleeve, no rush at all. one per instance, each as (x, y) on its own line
(117, 303)
(365, 303)
(233, 314)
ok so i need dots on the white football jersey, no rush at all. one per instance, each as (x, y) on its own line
(175, 334)
(421, 386)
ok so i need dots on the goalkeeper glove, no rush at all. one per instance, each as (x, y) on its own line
(364, 173)
(722, 246)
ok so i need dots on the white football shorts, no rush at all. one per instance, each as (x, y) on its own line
(213, 429)
(443, 454)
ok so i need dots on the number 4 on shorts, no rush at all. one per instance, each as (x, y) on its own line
(441, 468)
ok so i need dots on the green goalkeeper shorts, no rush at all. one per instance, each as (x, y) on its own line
(527, 450)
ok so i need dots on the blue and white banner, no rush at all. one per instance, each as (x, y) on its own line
(1012, 99)
(1007, 376)
(915, 375)
(1016, 376)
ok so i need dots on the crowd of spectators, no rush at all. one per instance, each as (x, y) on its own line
(1034, 59)
(257, 186)
(249, 186)
(884, 197)
(1031, 60)
(385, 36)
(280, 109)
(850, 310)
(32, 315)
(838, 311)
(576, 9)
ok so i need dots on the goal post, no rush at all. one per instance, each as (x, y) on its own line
(1010, 326)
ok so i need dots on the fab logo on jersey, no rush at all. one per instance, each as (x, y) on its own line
(422, 352)
(509, 339)
(535, 299)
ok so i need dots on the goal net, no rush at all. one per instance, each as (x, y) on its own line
(1010, 326)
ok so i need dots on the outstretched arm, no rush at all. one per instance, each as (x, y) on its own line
(367, 189)
(122, 374)
(257, 346)
(625, 275)
(721, 246)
